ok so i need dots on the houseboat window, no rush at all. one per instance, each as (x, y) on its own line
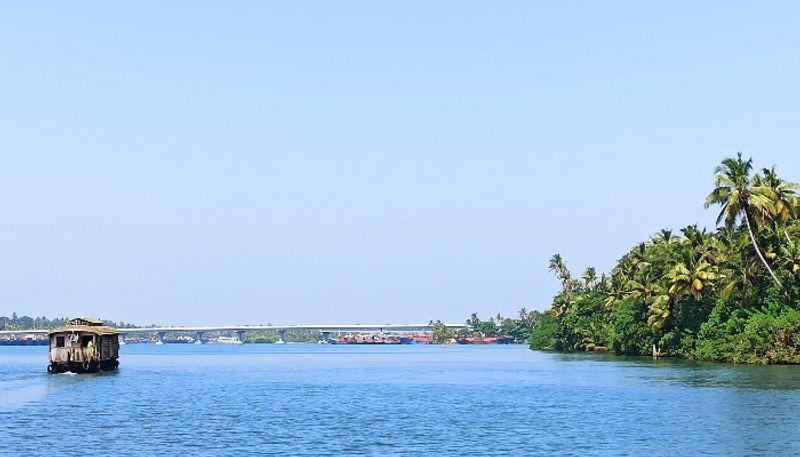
(59, 341)
(85, 340)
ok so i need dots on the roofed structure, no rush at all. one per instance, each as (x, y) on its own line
(84, 345)
(85, 321)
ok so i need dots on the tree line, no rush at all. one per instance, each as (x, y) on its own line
(519, 328)
(15, 322)
(731, 294)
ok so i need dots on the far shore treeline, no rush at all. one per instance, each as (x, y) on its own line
(729, 295)
(15, 322)
(517, 328)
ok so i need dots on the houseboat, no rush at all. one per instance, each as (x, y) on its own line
(83, 346)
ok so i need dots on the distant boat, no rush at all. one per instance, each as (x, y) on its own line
(226, 340)
(407, 340)
(135, 340)
(369, 338)
(179, 340)
(485, 340)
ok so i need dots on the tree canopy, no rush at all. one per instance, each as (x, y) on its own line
(730, 294)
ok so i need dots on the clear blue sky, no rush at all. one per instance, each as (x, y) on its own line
(219, 162)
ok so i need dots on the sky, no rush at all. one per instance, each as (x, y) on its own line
(197, 162)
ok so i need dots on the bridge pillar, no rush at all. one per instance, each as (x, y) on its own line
(160, 337)
(281, 336)
(239, 336)
(198, 338)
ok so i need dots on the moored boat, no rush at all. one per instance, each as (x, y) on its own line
(226, 340)
(179, 340)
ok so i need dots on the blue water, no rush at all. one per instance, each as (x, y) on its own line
(394, 400)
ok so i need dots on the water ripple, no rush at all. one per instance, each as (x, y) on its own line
(415, 400)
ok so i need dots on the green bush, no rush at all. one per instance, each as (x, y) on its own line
(629, 332)
(544, 335)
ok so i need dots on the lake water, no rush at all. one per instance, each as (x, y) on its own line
(394, 400)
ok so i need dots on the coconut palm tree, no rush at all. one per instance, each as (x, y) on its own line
(590, 278)
(741, 271)
(559, 268)
(659, 311)
(739, 198)
(663, 236)
(645, 288)
(474, 320)
(592, 337)
(790, 253)
(616, 291)
(691, 277)
(784, 196)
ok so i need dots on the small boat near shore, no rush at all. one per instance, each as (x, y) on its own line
(179, 340)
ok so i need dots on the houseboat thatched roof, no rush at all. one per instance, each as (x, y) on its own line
(86, 324)
(85, 321)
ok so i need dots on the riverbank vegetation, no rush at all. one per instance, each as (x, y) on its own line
(732, 294)
(293, 336)
(517, 328)
(15, 322)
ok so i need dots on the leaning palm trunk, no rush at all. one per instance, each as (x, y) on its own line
(758, 251)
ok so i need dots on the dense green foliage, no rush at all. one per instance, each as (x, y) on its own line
(729, 295)
(292, 336)
(31, 323)
(518, 328)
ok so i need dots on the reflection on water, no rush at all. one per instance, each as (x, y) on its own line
(398, 400)
(698, 374)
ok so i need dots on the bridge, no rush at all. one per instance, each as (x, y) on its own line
(240, 330)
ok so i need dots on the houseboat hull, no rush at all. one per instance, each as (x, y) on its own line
(77, 367)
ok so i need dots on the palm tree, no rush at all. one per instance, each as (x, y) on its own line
(663, 236)
(741, 271)
(616, 291)
(783, 194)
(474, 320)
(736, 193)
(561, 305)
(644, 288)
(559, 268)
(590, 278)
(592, 337)
(691, 277)
(791, 255)
(659, 312)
